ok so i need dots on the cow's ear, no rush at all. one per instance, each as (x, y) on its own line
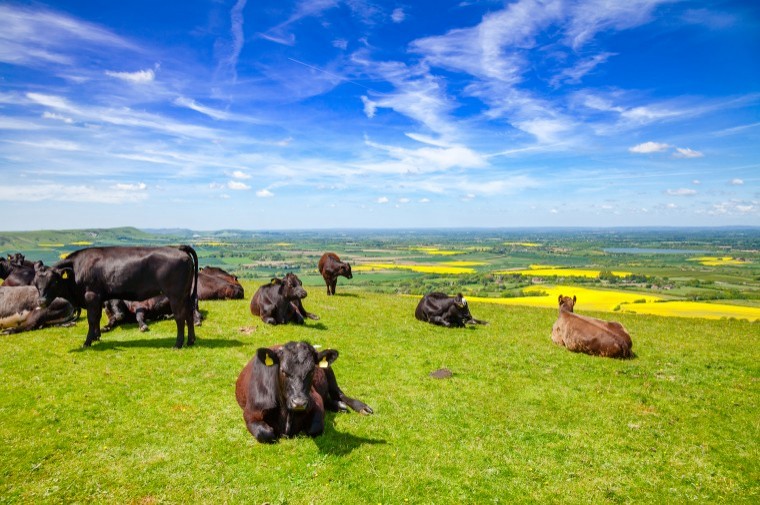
(560, 299)
(267, 357)
(275, 280)
(573, 299)
(37, 266)
(327, 357)
(67, 273)
(265, 386)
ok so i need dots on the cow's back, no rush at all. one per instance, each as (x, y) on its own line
(132, 273)
(327, 263)
(589, 335)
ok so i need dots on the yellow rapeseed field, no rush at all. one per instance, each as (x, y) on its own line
(81, 243)
(427, 269)
(524, 244)
(603, 300)
(716, 261)
(559, 271)
(434, 251)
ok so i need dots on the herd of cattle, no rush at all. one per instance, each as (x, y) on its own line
(285, 389)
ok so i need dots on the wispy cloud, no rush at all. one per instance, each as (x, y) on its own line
(649, 147)
(138, 77)
(685, 152)
(238, 186)
(264, 193)
(232, 48)
(681, 192)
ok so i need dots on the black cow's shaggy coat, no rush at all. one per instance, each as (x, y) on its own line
(89, 277)
(444, 310)
(279, 302)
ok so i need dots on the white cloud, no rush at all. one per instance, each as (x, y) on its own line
(239, 174)
(131, 187)
(696, 182)
(682, 192)
(340, 44)
(264, 193)
(685, 152)
(648, 147)
(383, 199)
(424, 200)
(404, 200)
(57, 117)
(737, 182)
(232, 49)
(236, 185)
(370, 107)
(139, 77)
(70, 193)
(398, 15)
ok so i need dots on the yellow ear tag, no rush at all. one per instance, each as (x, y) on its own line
(324, 363)
(268, 361)
(65, 275)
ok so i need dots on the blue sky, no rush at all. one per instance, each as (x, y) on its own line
(282, 114)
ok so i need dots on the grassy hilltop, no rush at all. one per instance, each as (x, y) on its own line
(133, 421)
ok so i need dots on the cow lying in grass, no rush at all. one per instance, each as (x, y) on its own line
(279, 302)
(20, 310)
(589, 335)
(285, 389)
(444, 310)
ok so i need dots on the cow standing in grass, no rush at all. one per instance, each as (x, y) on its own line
(285, 389)
(589, 335)
(88, 277)
(331, 267)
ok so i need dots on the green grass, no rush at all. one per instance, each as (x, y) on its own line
(131, 420)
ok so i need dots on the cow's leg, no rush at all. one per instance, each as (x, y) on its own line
(191, 323)
(140, 316)
(94, 312)
(440, 320)
(317, 425)
(303, 312)
(343, 400)
(327, 283)
(262, 432)
(332, 286)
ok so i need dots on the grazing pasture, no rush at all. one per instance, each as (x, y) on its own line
(131, 420)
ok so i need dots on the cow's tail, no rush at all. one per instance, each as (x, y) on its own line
(189, 250)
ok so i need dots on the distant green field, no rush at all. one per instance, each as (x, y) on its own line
(132, 420)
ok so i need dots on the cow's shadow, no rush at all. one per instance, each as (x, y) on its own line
(338, 443)
(346, 295)
(156, 343)
(317, 326)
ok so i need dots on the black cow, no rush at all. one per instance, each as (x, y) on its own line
(285, 389)
(213, 286)
(88, 277)
(20, 310)
(445, 310)
(279, 302)
(125, 311)
(330, 266)
(16, 270)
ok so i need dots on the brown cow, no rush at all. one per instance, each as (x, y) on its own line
(589, 335)
(330, 266)
(285, 389)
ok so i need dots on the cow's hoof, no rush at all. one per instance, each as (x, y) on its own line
(144, 329)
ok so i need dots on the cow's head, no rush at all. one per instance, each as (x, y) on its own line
(291, 287)
(17, 259)
(5, 268)
(345, 271)
(566, 303)
(462, 309)
(284, 376)
(53, 282)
